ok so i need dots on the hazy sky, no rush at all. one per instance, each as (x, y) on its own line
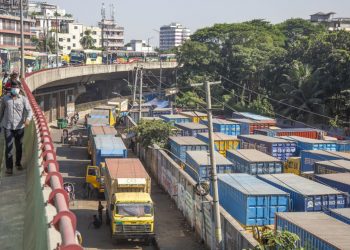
(140, 17)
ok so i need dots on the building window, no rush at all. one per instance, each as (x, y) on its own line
(69, 48)
(60, 39)
(73, 37)
(68, 39)
(75, 27)
(73, 45)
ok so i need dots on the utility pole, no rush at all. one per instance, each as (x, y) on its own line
(22, 41)
(160, 77)
(214, 176)
(57, 37)
(140, 99)
(134, 87)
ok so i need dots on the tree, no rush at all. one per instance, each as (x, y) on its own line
(151, 132)
(87, 41)
(278, 240)
(47, 44)
(189, 100)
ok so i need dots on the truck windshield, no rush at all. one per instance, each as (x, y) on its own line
(134, 210)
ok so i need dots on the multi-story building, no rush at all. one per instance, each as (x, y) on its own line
(139, 46)
(112, 35)
(172, 35)
(338, 23)
(10, 27)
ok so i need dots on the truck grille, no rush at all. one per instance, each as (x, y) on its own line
(137, 228)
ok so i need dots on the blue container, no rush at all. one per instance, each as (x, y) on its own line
(343, 146)
(253, 162)
(309, 157)
(180, 144)
(315, 230)
(342, 214)
(134, 114)
(224, 126)
(175, 118)
(249, 200)
(191, 128)
(247, 115)
(277, 147)
(332, 167)
(311, 144)
(99, 113)
(97, 122)
(108, 146)
(340, 181)
(199, 161)
(306, 195)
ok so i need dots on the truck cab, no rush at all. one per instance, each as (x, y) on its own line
(292, 165)
(95, 178)
(131, 216)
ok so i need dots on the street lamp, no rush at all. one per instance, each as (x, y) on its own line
(22, 40)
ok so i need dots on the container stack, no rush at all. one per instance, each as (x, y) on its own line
(107, 146)
(199, 161)
(301, 132)
(191, 128)
(225, 127)
(315, 230)
(99, 130)
(332, 167)
(342, 214)
(249, 200)
(307, 195)
(340, 181)
(311, 144)
(173, 119)
(222, 142)
(309, 157)
(180, 144)
(280, 148)
(248, 126)
(195, 116)
(252, 161)
(161, 111)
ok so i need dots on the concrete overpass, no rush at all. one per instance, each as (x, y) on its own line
(56, 90)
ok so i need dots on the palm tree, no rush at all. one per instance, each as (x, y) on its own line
(303, 93)
(87, 41)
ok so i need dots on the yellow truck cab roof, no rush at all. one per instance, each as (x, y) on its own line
(130, 197)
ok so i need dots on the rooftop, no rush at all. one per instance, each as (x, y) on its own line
(253, 155)
(339, 177)
(329, 153)
(336, 163)
(305, 140)
(202, 158)
(191, 125)
(218, 136)
(126, 168)
(327, 228)
(264, 138)
(186, 140)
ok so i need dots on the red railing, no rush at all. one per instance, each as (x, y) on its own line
(64, 221)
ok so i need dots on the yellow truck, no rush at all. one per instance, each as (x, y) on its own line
(109, 112)
(293, 166)
(129, 209)
(94, 180)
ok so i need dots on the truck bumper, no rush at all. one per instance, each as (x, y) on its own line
(124, 236)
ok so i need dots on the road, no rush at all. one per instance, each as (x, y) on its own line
(172, 231)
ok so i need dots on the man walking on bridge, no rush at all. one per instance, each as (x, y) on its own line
(15, 114)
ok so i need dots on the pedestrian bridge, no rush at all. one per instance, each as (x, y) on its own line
(34, 208)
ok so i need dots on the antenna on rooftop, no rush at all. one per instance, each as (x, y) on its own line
(103, 11)
(112, 11)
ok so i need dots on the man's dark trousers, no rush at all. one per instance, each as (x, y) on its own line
(10, 136)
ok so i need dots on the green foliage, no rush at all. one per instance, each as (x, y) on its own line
(189, 100)
(151, 132)
(272, 240)
(47, 44)
(302, 65)
(87, 41)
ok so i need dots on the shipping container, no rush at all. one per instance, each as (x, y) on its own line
(248, 125)
(222, 141)
(151, 118)
(315, 230)
(332, 167)
(309, 157)
(225, 126)
(340, 181)
(306, 195)
(200, 166)
(277, 147)
(107, 146)
(180, 144)
(247, 115)
(302, 132)
(342, 214)
(195, 115)
(99, 130)
(311, 144)
(96, 122)
(191, 128)
(343, 146)
(249, 200)
(175, 118)
(110, 110)
(161, 111)
(252, 161)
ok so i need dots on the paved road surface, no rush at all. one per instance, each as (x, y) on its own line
(172, 231)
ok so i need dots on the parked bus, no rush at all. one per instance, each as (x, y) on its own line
(93, 56)
(10, 58)
(77, 57)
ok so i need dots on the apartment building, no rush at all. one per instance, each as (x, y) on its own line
(172, 35)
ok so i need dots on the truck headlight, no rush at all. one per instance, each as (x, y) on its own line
(148, 227)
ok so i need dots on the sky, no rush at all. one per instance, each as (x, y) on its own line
(141, 18)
